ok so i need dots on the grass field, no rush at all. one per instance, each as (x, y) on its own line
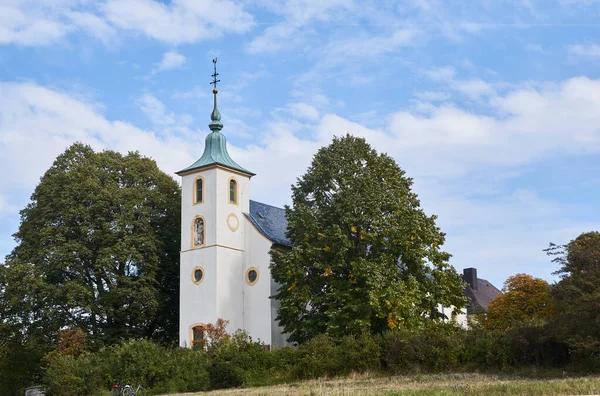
(442, 384)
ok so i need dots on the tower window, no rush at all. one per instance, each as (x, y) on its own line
(232, 191)
(252, 276)
(198, 232)
(198, 190)
(198, 275)
(198, 337)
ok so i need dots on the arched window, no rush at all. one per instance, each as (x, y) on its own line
(198, 340)
(198, 232)
(232, 191)
(198, 190)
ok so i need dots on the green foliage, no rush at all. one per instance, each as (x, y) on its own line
(322, 356)
(238, 361)
(20, 362)
(437, 347)
(97, 249)
(225, 374)
(578, 296)
(158, 369)
(366, 258)
(68, 375)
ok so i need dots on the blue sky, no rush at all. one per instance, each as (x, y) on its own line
(493, 107)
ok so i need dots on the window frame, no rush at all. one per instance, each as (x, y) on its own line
(195, 191)
(236, 193)
(247, 276)
(193, 342)
(194, 246)
(196, 268)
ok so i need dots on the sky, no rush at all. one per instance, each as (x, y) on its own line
(491, 106)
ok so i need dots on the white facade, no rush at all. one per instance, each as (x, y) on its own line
(231, 248)
(460, 319)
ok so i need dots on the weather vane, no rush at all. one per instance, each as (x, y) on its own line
(214, 76)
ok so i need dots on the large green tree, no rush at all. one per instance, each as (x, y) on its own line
(578, 292)
(97, 248)
(365, 256)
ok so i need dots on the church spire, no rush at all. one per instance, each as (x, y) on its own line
(215, 144)
(215, 117)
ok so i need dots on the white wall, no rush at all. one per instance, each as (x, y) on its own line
(460, 319)
(220, 294)
(257, 305)
(197, 303)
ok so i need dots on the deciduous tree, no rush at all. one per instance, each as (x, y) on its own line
(97, 249)
(365, 256)
(578, 292)
(524, 299)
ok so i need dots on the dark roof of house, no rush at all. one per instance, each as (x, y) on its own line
(480, 298)
(269, 221)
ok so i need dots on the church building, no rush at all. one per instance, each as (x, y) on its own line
(225, 244)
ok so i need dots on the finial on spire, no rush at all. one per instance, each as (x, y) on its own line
(215, 117)
(214, 76)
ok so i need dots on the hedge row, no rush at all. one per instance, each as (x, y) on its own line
(238, 361)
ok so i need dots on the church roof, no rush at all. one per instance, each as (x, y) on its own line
(269, 221)
(215, 153)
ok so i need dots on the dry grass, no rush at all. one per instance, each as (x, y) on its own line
(442, 384)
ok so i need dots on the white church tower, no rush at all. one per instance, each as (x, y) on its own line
(214, 198)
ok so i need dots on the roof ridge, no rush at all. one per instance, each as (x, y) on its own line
(266, 204)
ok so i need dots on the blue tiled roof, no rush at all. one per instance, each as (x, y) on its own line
(269, 221)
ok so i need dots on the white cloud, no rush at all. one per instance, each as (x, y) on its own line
(473, 88)
(297, 16)
(25, 23)
(432, 96)
(38, 123)
(589, 51)
(440, 149)
(43, 22)
(368, 46)
(171, 60)
(301, 110)
(182, 21)
(441, 74)
(94, 26)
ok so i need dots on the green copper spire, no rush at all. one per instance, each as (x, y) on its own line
(215, 146)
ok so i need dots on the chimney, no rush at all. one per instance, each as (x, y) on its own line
(470, 276)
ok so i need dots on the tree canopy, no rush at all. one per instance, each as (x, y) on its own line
(524, 299)
(98, 249)
(577, 294)
(365, 256)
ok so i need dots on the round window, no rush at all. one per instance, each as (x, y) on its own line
(198, 275)
(252, 276)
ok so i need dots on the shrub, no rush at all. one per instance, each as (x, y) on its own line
(317, 358)
(156, 368)
(225, 374)
(437, 347)
(67, 375)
